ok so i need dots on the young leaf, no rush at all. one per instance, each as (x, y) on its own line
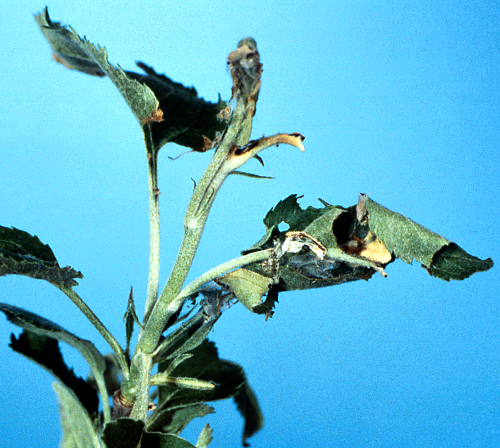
(78, 430)
(130, 318)
(45, 352)
(24, 254)
(175, 112)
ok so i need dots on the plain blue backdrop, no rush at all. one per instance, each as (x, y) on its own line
(397, 99)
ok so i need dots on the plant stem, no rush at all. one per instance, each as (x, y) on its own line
(154, 223)
(99, 326)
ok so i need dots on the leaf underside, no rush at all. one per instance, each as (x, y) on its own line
(24, 254)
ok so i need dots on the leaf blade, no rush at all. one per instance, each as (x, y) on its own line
(24, 254)
(78, 431)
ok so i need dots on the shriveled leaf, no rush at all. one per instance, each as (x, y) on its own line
(78, 430)
(45, 351)
(188, 120)
(24, 254)
(187, 336)
(205, 437)
(123, 433)
(174, 112)
(44, 327)
(249, 408)
(228, 377)
(408, 240)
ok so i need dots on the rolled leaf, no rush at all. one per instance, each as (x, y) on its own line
(331, 245)
(408, 240)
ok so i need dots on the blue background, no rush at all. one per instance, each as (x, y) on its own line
(399, 100)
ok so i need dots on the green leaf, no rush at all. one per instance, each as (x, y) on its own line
(174, 420)
(24, 254)
(129, 433)
(230, 381)
(174, 112)
(453, 263)
(123, 433)
(139, 97)
(159, 440)
(44, 327)
(45, 352)
(408, 240)
(79, 54)
(78, 430)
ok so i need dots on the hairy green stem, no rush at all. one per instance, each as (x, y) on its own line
(197, 212)
(154, 223)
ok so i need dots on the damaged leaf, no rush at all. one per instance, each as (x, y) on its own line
(174, 112)
(333, 245)
(24, 254)
(247, 286)
(408, 240)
